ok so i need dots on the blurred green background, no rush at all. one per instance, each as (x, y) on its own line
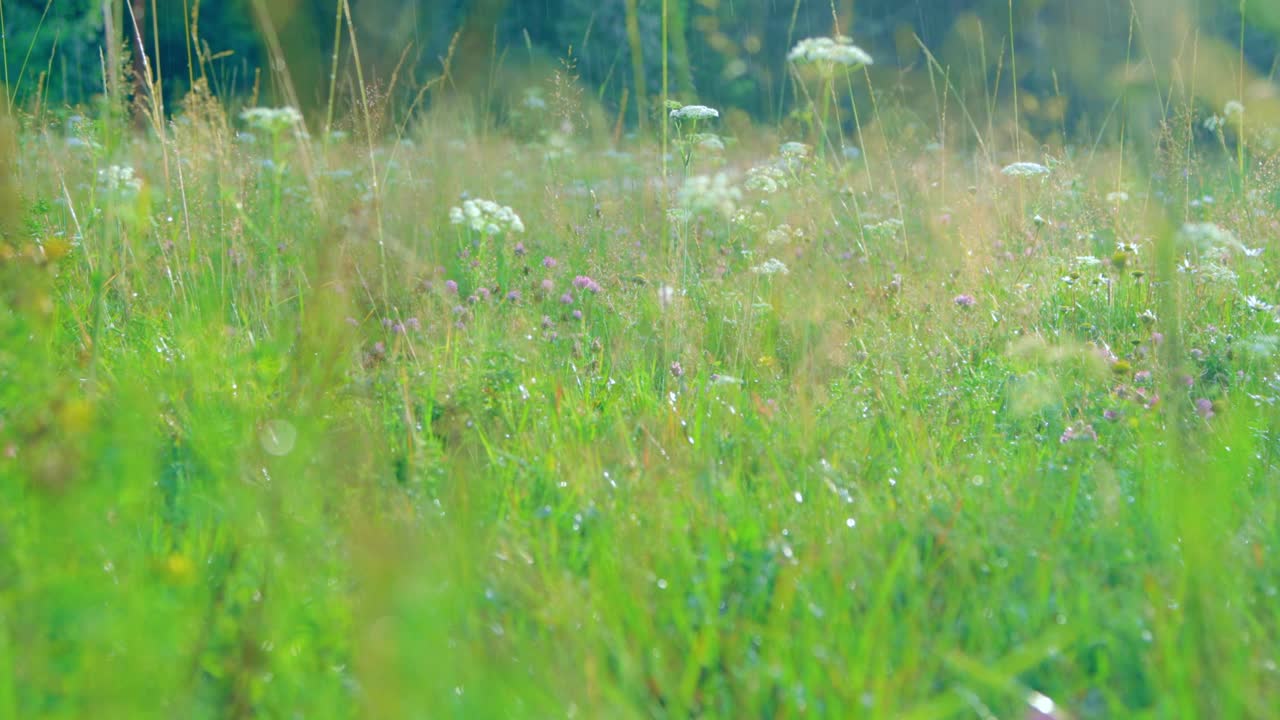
(722, 52)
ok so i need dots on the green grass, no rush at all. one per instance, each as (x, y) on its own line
(260, 460)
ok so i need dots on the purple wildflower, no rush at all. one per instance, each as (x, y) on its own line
(1080, 432)
(413, 324)
(513, 296)
(676, 369)
(483, 293)
(577, 314)
(1110, 415)
(548, 285)
(549, 262)
(519, 249)
(965, 300)
(583, 282)
(567, 298)
(451, 286)
(1204, 406)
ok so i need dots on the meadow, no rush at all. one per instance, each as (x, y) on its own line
(467, 414)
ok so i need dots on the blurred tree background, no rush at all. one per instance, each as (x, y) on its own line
(727, 53)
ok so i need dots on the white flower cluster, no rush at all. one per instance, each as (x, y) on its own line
(706, 194)
(695, 113)
(272, 120)
(783, 234)
(887, 229)
(772, 266)
(120, 179)
(830, 52)
(1210, 237)
(768, 179)
(794, 149)
(486, 216)
(1025, 169)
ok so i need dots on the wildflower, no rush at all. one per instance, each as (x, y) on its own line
(582, 282)
(705, 194)
(1214, 123)
(965, 300)
(710, 142)
(566, 299)
(1208, 236)
(451, 286)
(486, 216)
(1080, 432)
(666, 296)
(772, 266)
(782, 234)
(549, 262)
(828, 52)
(695, 113)
(519, 249)
(1025, 169)
(513, 296)
(767, 179)
(1110, 415)
(676, 369)
(272, 120)
(1118, 197)
(794, 149)
(1084, 261)
(413, 324)
(120, 179)
(1256, 304)
(1232, 109)
(577, 314)
(1204, 408)
(548, 285)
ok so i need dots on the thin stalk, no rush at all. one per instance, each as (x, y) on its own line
(1013, 69)
(333, 70)
(4, 56)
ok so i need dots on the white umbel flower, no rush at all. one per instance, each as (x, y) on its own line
(772, 266)
(1025, 169)
(829, 51)
(120, 179)
(486, 216)
(272, 120)
(694, 112)
(708, 194)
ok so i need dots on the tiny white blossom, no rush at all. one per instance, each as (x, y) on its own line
(1084, 261)
(1232, 108)
(1118, 197)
